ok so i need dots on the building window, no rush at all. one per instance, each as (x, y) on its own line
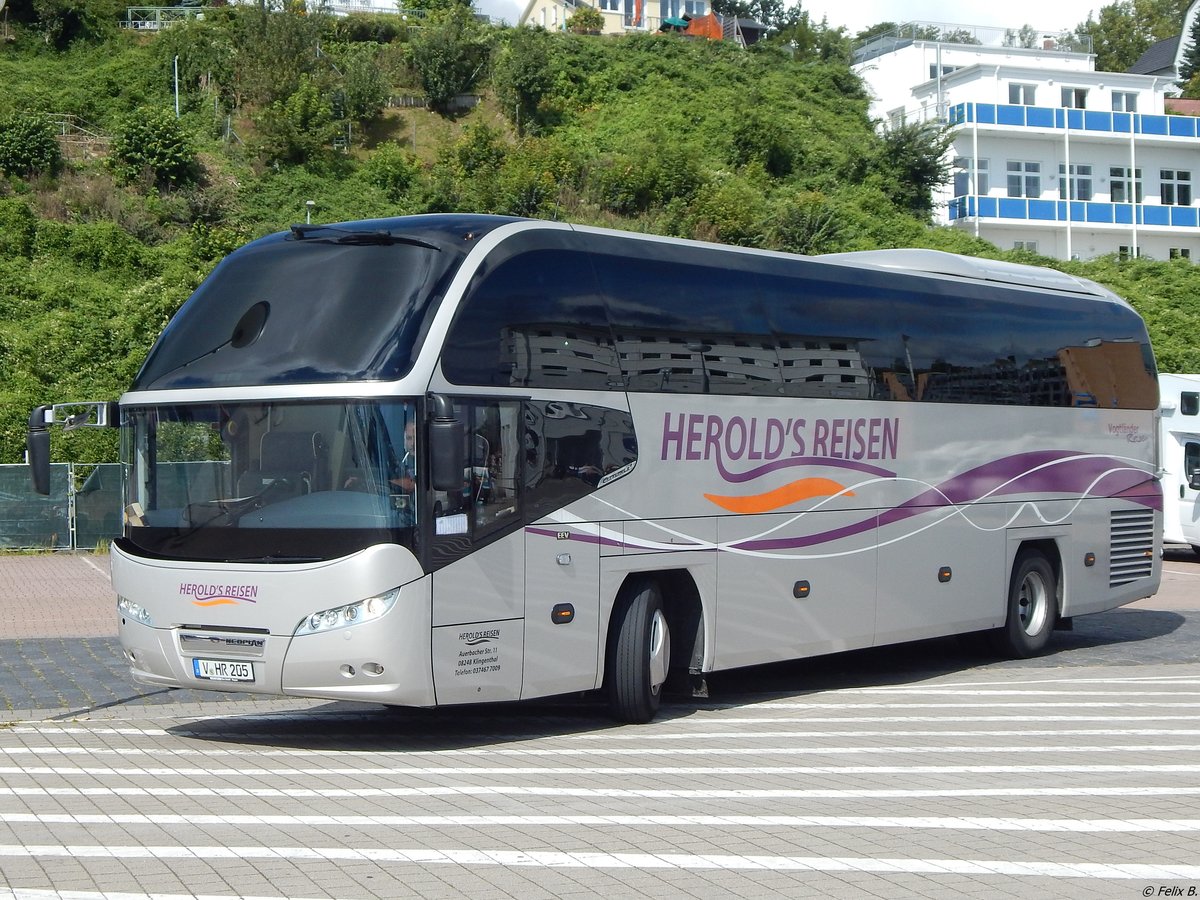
(896, 117)
(611, 5)
(1074, 98)
(1124, 101)
(1079, 180)
(1176, 187)
(1123, 187)
(1180, 253)
(1024, 179)
(1030, 246)
(962, 177)
(1126, 252)
(1021, 94)
(946, 70)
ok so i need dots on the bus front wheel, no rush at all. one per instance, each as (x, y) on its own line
(1032, 607)
(639, 654)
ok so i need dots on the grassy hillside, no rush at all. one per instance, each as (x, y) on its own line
(653, 133)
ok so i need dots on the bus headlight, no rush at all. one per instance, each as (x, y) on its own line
(350, 614)
(131, 610)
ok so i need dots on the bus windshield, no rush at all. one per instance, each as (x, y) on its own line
(270, 481)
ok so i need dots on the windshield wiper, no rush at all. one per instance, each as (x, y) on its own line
(381, 237)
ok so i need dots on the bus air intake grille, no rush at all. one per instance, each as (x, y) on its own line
(1130, 545)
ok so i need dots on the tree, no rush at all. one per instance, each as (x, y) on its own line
(914, 158)
(879, 29)
(1125, 29)
(1191, 57)
(585, 20)
(62, 22)
(1026, 37)
(364, 87)
(272, 50)
(772, 13)
(448, 55)
(521, 76)
(811, 41)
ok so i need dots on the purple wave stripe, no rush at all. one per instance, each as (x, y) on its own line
(1064, 473)
(609, 542)
(583, 538)
(832, 462)
(1142, 497)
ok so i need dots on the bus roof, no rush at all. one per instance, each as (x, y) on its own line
(938, 262)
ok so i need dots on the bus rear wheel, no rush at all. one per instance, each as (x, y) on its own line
(639, 654)
(1032, 607)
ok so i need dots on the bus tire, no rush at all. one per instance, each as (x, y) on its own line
(639, 654)
(1032, 607)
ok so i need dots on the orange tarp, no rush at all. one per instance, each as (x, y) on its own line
(706, 26)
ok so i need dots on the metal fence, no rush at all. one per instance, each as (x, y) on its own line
(82, 511)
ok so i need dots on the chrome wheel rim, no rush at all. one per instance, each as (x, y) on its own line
(1033, 603)
(660, 651)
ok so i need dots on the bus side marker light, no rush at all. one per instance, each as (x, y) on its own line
(944, 574)
(562, 613)
(1089, 559)
(801, 589)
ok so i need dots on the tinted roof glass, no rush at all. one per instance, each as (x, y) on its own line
(342, 303)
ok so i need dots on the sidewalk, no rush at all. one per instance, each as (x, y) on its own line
(56, 595)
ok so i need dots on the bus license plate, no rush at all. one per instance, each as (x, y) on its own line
(222, 670)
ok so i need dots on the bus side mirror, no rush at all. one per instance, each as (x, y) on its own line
(37, 450)
(445, 446)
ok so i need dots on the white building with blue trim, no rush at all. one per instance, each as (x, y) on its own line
(1049, 154)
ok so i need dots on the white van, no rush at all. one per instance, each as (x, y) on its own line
(1179, 442)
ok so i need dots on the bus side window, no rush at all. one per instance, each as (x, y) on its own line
(1189, 403)
(494, 464)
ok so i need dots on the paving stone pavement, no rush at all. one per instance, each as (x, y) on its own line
(925, 770)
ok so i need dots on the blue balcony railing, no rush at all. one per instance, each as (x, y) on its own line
(1081, 212)
(1075, 119)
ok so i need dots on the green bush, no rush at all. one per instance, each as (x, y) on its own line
(28, 145)
(648, 175)
(806, 222)
(392, 170)
(18, 229)
(300, 129)
(534, 178)
(153, 140)
(367, 28)
(763, 139)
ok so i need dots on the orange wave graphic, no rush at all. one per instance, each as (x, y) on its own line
(803, 489)
(216, 601)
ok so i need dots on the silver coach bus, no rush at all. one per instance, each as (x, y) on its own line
(451, 459)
